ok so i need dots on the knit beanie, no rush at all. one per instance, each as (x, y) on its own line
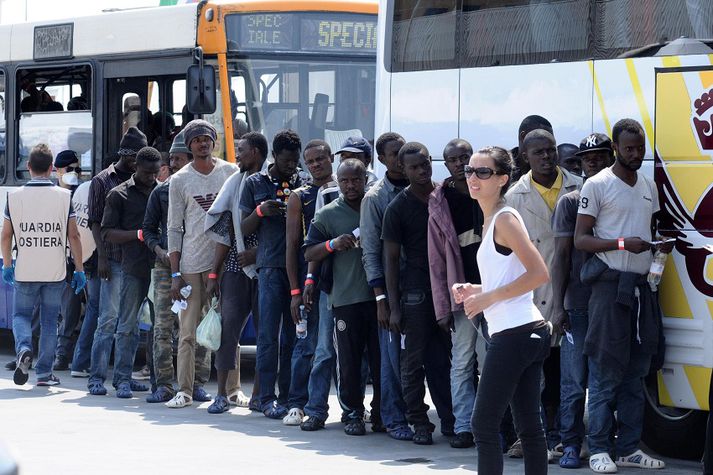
(65, 158)
(132, 141)
(179, 145)
(196, 128)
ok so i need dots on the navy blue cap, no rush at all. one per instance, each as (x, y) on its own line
(355, 145)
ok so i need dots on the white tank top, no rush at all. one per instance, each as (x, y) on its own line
(497, 270)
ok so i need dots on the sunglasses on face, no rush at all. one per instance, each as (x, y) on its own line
(77, 169)
(483, 173)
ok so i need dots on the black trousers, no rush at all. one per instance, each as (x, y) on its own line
(356, 328)
(238, 297)
(426, 355)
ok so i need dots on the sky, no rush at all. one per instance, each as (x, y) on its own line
(14, 11)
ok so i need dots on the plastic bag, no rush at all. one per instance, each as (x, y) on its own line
(145, 316)
(209, 331)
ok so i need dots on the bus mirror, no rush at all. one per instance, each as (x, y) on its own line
(200, 89)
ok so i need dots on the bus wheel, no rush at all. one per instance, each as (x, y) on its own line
(672, 432)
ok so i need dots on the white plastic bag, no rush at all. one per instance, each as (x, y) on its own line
(209, 330)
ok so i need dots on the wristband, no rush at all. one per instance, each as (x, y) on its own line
(213, 276)
(140, 235)
(309, 281)
(380, 297)
(328, 246)
(258, 211)
(175, 274)
(295, 292)
(620, 242)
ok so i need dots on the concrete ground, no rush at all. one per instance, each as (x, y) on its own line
(63, 430)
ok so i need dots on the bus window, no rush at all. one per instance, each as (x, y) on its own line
(238, 102)
(3, 109)
(178, 90)
(424, 35)
(55, 108)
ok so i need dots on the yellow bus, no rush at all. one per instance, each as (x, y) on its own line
(250, 65)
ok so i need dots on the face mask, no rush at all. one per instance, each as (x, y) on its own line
(70, 179)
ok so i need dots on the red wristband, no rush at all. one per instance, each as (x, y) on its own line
(294, 292)
(309, 282)
(258, 211)
(140, 235)
(213, 276)
(328, 246)
(620, 242)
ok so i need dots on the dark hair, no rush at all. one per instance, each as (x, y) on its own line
(503, 162)
(456, 143)
(258, 141)
(352, 163)
(286, 139)
(537, 134)
(532, 122)
(386, 138)
(314, 143)
(412, 148)
(626, 125)
(567, 147)
(40, 160)
(148, 156)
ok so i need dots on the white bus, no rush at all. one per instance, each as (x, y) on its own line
(475, 68)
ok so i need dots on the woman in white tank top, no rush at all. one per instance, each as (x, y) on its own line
(510, 269)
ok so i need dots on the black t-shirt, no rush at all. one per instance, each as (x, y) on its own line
(406, 223)
(467, 219)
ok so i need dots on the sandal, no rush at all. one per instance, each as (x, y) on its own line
(401, 433)
(312, 424)
(355, 427)
(422, 437)
(254, 405)
(96, 388)
(640, 460)
(602, 463)
(201, 395)
(275, 411)
(570, 457)
(124, 391)
(180, 400)
(238, 398)
(219, 406)
(138, 387)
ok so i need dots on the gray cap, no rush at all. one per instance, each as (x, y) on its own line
(179, 145)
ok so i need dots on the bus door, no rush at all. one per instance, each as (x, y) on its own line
(684, 175)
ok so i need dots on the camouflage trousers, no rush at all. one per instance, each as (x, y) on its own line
(164, 323)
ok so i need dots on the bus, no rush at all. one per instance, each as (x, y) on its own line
(252, 65)
(475, 68)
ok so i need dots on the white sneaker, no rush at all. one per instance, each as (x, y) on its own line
(640, 460)
(602, 463)
(294, 417)
(180, 400)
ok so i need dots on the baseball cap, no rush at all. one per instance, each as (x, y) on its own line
(355, 145)
(595, 142)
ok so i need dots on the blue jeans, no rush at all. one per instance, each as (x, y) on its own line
(611, 389)
(50, 296)
(464, 365)
(83, 349)
(573, 380)
(133, 292)
(393, 407)
(324, 363)
(109, 295)
(302, 356)
(276, 336)
(70, 309)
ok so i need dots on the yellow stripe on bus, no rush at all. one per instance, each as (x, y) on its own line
(600, 97)
(699, 380)
(672, 296)
(640, 101)
(664, 396)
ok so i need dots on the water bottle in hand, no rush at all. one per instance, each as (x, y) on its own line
(302, 324)
(656, 270)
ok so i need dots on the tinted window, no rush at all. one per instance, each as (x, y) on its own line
(3, 119)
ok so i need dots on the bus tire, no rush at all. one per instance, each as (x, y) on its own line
(672, 432)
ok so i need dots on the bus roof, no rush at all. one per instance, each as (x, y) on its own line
(349, 6)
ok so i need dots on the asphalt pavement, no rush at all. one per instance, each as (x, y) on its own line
(63, 430)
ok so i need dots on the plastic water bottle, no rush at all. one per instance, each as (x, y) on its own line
(186, 291)
(302, 324)
(656, 270)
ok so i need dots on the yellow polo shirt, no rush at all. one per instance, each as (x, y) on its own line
(549, 194)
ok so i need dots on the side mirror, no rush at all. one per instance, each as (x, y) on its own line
(200, 89)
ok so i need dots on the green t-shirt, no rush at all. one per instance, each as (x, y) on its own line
(350, 284)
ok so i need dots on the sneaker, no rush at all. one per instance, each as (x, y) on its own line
(312, 424)
(50, 380)
(515, 450)
(141, 375)
(61, 363)
(640, 460)
(82, 373)
(294, 417)
(462, 440)
(602, 463)
(22, 367)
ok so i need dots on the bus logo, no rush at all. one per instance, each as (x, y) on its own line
(704, 133)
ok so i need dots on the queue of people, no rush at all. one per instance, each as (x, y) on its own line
(347, 275)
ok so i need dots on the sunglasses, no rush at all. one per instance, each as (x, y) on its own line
(73, 169)
(483, 173)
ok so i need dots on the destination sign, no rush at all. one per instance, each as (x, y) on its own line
(308, 32)
(53, 41)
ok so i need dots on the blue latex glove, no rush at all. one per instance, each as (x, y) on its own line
(8, 275)
(79, 280)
